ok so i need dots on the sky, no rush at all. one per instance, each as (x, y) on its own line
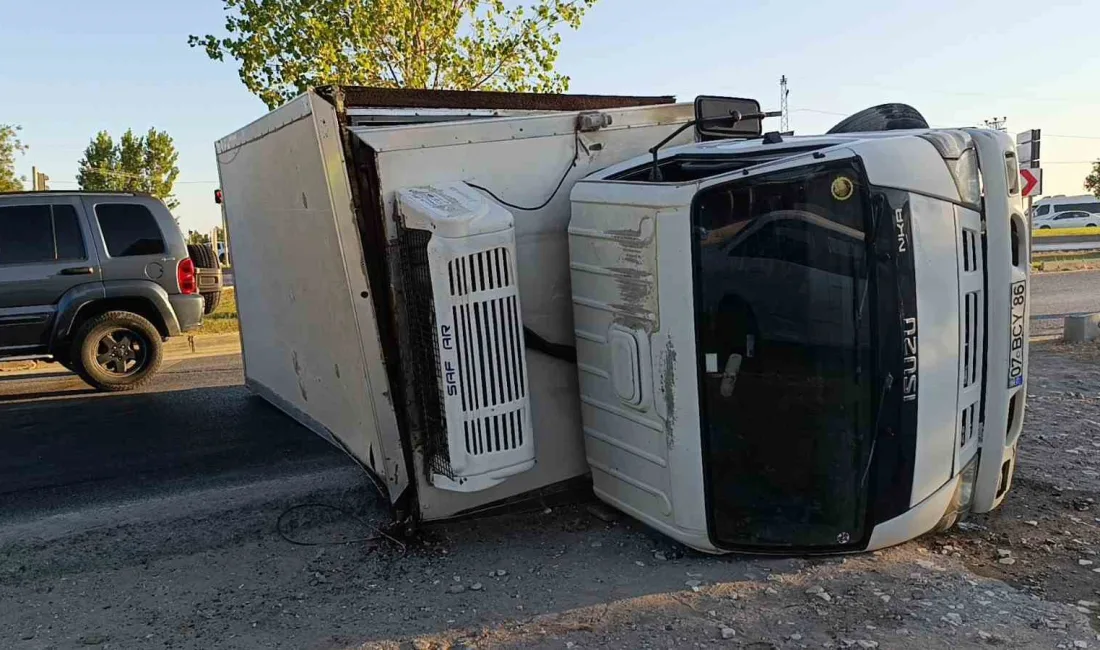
(70, 68)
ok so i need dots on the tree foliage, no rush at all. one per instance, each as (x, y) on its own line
(1092, 181)
(134, 164)
(10, 146)
(196, 237)
(285, 47)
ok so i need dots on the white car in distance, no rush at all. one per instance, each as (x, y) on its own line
(1071, 219)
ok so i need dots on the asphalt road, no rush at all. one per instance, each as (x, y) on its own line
(63, 445)
(1054, 295)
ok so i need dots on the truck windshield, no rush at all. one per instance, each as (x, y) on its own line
(782, 287)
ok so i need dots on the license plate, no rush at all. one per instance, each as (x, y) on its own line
(1016, 334)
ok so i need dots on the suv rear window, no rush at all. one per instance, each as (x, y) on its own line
(129, 229)
(31, 234)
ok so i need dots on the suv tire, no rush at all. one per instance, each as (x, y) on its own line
(117, 351)
(210, 301)
(203, 256)
(884, 117)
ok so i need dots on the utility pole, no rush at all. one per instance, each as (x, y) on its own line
(785, 120)
(997, 123)
(39, 181)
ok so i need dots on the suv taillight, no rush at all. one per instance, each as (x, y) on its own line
(185, 275)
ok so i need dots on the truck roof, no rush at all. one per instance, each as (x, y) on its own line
(415, 98)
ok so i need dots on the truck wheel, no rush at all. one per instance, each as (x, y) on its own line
(884, 117)
(117, 351)
(203, 256)
(210, 301)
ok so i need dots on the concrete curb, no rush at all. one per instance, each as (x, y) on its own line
(176, 348)
(1080, 328)
(194, 343)
(18, 366)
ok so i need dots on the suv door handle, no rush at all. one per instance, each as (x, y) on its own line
(77, 270)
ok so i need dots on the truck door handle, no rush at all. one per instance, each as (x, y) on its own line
(77, 270)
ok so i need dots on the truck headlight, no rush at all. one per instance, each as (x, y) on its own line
(958, 153)
(965, 492)
(963, 498)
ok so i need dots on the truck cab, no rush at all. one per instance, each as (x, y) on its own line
(837, 326)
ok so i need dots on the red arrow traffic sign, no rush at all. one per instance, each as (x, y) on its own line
(1033, 181)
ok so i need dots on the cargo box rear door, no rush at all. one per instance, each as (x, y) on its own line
(309, 332)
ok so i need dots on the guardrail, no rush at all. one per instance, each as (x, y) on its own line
(1077, 240)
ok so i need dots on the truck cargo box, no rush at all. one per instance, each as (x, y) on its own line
(335, 326)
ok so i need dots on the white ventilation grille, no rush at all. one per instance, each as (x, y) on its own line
(970, 243)
(489, 349)
(968, 427)
(971, 335)
(971, 355)
(478, 336)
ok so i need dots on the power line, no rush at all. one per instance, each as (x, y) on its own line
(140, 177)
(814, 110)
(73, 181)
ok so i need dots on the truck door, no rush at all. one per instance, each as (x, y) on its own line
(43, 255)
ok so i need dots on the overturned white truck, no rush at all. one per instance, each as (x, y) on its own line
(750, 341)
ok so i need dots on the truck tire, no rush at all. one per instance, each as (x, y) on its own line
(210, 301)
(203, 256)
(117, 351)
(884, 117)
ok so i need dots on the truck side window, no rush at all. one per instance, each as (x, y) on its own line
(129, 230)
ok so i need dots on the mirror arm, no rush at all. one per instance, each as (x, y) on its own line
(655, 171)
(736, 116)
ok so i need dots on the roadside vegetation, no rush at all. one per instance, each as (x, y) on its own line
(224, 319)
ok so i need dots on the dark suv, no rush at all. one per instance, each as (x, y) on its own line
(95, 280)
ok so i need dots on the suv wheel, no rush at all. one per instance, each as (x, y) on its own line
(117, 351)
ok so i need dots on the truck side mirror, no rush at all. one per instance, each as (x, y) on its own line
(709, 114)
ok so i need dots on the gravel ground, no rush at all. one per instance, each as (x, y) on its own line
(1027, 576)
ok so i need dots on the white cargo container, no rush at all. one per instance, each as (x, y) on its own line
(482, 295)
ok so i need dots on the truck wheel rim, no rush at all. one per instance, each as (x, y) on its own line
(121, 352)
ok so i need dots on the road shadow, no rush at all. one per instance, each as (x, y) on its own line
(49, 394)
(68, 440)
(23, 377)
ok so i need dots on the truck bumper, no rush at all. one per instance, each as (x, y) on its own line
(188, 311)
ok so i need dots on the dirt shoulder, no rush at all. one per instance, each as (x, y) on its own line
(563, 578)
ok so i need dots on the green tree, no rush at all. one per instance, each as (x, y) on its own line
(98, 170)
(1092, 181)
(196, 237)
(285, 47)
(133, 164)
(10, 146)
